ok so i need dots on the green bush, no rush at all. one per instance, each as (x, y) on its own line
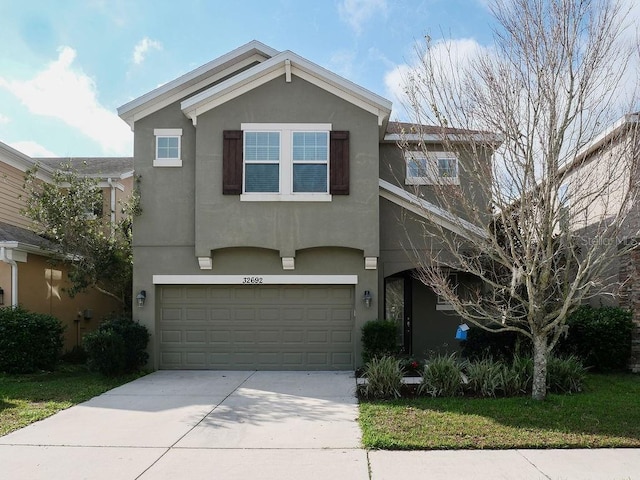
(384, 378)
(378, 339)
(518, 377)
(485, 377)
(77, 356)
(442, 377)
(106, 352)
(29, 341)
(600, 337)
(118, 346)
(565, 375)
(498, 345)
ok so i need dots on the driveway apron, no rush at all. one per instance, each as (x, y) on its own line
(199, 424)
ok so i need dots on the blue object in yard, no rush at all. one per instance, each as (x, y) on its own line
(461, 332)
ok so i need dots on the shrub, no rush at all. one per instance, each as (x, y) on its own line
(29, 341)
(565, 375)
(106, 351)
(378, 339)
(384, 378)
(486, 377)
(498, 345)
(77, 355)
(518, 377)
(600, 337)
(442, 377)
(118, 346)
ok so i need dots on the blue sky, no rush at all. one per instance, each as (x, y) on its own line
(66, 65)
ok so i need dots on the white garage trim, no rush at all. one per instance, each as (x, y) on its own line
(255, 279)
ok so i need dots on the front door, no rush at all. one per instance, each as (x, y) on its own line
(397, 305)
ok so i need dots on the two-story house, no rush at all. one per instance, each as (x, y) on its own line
(31, 273)
(269, 233)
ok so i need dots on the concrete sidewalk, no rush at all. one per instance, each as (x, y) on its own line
(257, 425)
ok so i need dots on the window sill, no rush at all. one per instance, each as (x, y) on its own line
(294, 197)
(430, 181)
(444, 306)
(167, 162)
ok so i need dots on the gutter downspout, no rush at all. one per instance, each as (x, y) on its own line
(14, 275)
(112, 205)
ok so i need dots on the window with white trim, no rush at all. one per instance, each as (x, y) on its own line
(168, 147)
(431, 168)
(286, 162)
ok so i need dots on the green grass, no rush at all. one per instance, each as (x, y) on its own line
(605, 415)
(25, 399)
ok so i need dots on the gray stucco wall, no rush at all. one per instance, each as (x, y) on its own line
(347, 221)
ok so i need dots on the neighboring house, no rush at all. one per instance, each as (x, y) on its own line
(595, 186)
(270, 228)
(31, 274)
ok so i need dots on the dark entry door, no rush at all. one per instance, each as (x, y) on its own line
(397, 305)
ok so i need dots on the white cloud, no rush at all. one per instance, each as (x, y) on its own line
(32, 149)
(4, 119)
(357, 12)
(142, 47)
(450, 57)
(68, 94)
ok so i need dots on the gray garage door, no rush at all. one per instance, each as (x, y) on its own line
(302, 327)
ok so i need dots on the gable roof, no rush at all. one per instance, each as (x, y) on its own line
(18, 237)
(189, 83)
(287, 63)
(22, 162)
(99, 167)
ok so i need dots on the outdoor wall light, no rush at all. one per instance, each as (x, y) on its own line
(366, 298)
(1, 296)
(141, 297)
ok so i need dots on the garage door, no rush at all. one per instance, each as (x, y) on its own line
(270, 327)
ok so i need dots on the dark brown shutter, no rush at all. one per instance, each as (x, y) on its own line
(339, 163)
(232, 162)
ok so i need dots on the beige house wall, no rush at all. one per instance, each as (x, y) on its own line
(12, 196)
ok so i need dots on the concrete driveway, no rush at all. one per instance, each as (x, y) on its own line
(199, 424)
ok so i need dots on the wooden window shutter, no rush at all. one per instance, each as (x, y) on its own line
(339, 163)
(232, 162)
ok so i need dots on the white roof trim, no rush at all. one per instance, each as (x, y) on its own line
(277, 66)
(438, 138)
(195, 80)
(428, 210)
(22, 162)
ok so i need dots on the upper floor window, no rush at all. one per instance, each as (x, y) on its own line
(430, 168)
(286, 161)
(168, 147)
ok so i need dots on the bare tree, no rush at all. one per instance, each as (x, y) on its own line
(546, 91)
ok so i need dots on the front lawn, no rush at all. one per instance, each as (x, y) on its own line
(25, 399)
(607, 414)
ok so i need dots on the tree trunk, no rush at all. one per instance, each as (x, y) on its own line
(539, 391)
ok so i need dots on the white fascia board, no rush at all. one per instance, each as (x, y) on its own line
(22, 162)
(276, 66)
(193, 81)
(25, 248)
(255, 280)
(605, 136)
(490, 139)
(429, 211)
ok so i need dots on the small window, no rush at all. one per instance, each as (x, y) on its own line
(310, 162)
(168, 147)
(431, 168)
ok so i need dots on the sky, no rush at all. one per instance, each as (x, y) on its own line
(67, 65)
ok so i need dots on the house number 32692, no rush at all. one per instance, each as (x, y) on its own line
(252, 280)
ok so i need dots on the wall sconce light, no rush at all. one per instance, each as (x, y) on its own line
(1, 296)
(366, 298)
(141, 297)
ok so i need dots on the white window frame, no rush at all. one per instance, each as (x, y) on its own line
(168, 133)
(432, 174)
(286, 192)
